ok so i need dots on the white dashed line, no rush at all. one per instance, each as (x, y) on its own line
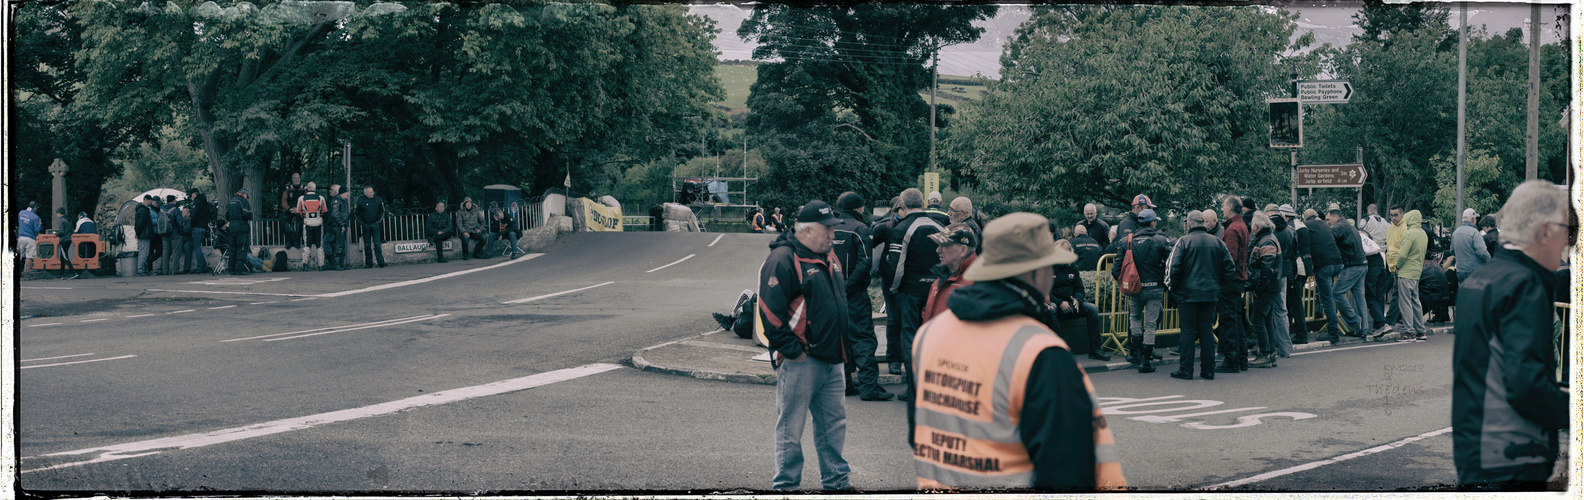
(80, 362)
(230, 293)
(45, 324)
(546, 296)
(93, 320)
(153, 446)
(55, 357)
(140, 315)
(431, 278)
(361, 327)
(302, 299)
(181, 311)
(223, 307)
(717, 239)
(671, 264)
(45, 288)
(257, 303)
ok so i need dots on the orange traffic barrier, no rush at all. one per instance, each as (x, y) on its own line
(86, 250)
(48, 252)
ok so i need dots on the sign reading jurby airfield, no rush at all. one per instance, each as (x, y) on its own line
(1325, 92)
(1330, 176)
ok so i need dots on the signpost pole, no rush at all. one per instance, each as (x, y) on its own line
(1294, 171)
(1359, 214)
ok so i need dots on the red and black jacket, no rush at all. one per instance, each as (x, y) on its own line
(802, 302)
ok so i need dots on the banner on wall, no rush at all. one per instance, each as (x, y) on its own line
(600, 217)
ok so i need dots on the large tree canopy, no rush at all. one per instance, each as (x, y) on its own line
(841, 109)
(1100, 103)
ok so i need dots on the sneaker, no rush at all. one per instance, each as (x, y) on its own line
(1421, 338)
(878, 395)
(1405, 338)
(1380, 332)
(1182, 375)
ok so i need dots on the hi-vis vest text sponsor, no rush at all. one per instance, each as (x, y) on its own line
(971, 377)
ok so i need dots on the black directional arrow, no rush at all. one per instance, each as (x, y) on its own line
(1348, 93)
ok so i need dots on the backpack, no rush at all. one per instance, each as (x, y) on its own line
(165, 225)
(1370, 247)
(1130, 283)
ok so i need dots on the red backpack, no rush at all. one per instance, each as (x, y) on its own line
(1129, 284)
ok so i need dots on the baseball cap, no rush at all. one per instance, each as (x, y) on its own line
(243, 192)
(934, 196)
(1015, 244)
(955, 234)
(1196, 218)
(818, 211)
(1147, 216)
(1468, 213)
(1270, 208)
(1142, 200)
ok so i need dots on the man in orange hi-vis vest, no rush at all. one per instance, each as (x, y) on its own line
(994, 383)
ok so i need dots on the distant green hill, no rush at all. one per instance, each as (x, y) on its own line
(738, 79)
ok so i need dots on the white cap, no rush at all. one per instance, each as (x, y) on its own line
(1468, 213)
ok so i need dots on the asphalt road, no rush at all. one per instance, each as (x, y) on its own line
(394, 380)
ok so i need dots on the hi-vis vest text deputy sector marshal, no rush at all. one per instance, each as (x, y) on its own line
(971, 378)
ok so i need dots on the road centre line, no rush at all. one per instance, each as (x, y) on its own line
(182, 311)
(375, 323)
(1348, 348)
(546, 296)
(93, 320)
(45, 324)
(302, 299)
(431, 278)
(671, 264)
(223, 307)
(80, 362)
(360, 328)
(232, 293)
(717, 239)
(140, 315)
(257, 303)
(55, 357)
(153, 446)
(1311, 465)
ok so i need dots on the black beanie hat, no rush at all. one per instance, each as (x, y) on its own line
(850, 201)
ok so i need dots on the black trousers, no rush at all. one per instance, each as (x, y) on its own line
(1298, 325)
(240, 248)
(478, 249)
(371, 239)
(893, 329)
(1196, 320)
(436, 240)
(1232, 330)
(292, 225)
(910, 315)
(863, 369)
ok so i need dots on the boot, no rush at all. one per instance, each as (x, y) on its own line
(1134, 344)
(1263, 360)
(1181, 374)
(1228, 365)
(1147, 356)
(440, 253)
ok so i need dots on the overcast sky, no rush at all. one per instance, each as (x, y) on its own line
(1331, 23)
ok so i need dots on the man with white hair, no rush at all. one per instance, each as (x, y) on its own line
(1097, 229)
(933, 208)
(1468, 245)
(962, 211)
(1507, 407)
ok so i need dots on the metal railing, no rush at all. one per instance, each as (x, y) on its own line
(405, 227)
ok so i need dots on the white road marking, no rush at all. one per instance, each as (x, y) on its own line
(232, 293)
(46, 324)
(223, 307)
(150, 447)
(429, 279)
(140, 315)
(79, 362)
(45, 288)
(302, 299)
(235, 281)
(182, 311)
(717, 239)
(1312, 465)
(257, 303)
(56, 357)
(546, 296)
(360, 328)
(375, 323)
(671, 264)
(1349, 348)
(93, 320)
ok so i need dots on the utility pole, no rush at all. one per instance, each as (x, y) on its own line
(1530, 172)
(745, 164)
(346, 161)
(1292, 82)
(935, 83)
(1462, 100)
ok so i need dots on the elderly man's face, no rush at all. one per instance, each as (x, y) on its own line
(1552, 240)
(952, 255)
(296, 178)
(368, 192)
(1090, 213)
(440, 207)
(1230, 209)
(817, 237)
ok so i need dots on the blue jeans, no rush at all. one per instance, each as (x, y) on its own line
(1279, 322)
(1144, 311)
(1355, 310)
(143, 255)
(195, 251)
(810, 386)
(1325, 276)
(1377, 282)
(509, 236)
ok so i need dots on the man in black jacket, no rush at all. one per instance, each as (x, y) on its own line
(1130, 220)
(339, 218)
(1196, 271)
(910, 258)
(1302, 267)
(439, 228)
(202, 215)
(1096, 228)
(851, 246)
(143, 225)
(1089, 249)
(370, 212)
(1327, 265)
(1353, 305)
(880, 234)
(291, 221)
(804, 309)
(1067, 294)
(1150, 250)
(1434, 292)
(238, 213)
(1507, 407)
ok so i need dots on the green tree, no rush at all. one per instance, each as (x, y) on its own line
(1100, 103)
(845, 94)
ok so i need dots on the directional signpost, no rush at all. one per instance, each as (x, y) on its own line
(1325, 92)
(1330, 176)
